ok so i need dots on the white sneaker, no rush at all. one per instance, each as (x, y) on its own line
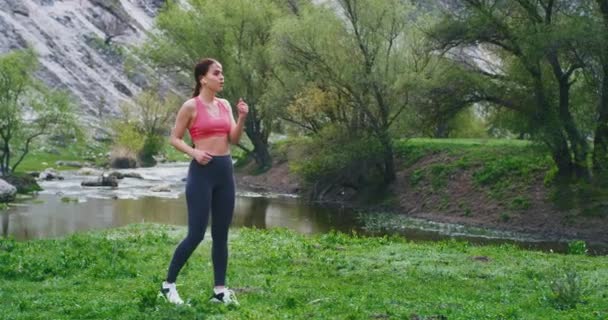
(169, 292)
(225, 297)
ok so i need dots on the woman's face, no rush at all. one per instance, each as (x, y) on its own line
(214, 79)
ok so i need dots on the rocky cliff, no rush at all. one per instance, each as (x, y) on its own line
(82, 46)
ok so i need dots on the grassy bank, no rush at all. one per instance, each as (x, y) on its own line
(282, 275)
(38, 160)
(504, 170)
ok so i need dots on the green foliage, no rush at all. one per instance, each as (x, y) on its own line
(28, 109)
(467, 124)
(128, 136)
(439, 174)
(443, 103)
(550, 176)
(153, 145)
(416, 177)
(577, 247)
(365, 62)
(567, 290)
(336, 157)
(539, 67)
(501, 168)
(144, 123)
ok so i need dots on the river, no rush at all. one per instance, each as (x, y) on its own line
(64, 207)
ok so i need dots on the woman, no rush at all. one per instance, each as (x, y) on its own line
(210, 182)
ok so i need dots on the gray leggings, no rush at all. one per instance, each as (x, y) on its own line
(208, 187)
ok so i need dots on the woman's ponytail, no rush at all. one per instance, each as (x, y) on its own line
(201, 70)
(197, 89)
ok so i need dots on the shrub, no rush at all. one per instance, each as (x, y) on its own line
(335, 157)
(567, 290)
(152, 146)
(577, 247)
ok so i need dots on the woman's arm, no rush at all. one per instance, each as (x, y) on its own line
(236, 129)
(182, 121)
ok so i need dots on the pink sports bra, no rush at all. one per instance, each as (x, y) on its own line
(206, 125)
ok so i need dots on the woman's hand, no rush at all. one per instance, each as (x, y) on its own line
(202, 157)
(242, 107)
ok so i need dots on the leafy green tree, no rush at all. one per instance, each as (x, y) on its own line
(145, 122)
(28, 109)
(539, 44)
(367, 52)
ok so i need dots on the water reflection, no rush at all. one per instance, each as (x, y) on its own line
(251, 214)
(55, 218)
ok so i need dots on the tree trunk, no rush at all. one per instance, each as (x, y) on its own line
(6, 160)
(600, 142)
(554, 136)
(389, 164)
(563, 160)
(260, 152)
(578, 145)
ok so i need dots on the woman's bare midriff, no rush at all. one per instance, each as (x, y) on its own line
(215, 145)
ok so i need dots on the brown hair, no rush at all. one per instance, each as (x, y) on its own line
(200, 70)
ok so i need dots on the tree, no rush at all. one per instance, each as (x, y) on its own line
(237, 33)
(28, 109)
(367, 52)
(145, 122)
(538, 44)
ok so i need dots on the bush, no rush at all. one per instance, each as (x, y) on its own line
(128, 136)
(577, 247)
(335, 157)
(152, 146)
(567, 290)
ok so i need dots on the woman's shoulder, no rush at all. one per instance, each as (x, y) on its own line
(225, 103)
(189, 104)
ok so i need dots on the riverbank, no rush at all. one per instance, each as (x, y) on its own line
(279, 274)
(497, 184)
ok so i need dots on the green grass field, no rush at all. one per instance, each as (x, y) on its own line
(279, 274)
